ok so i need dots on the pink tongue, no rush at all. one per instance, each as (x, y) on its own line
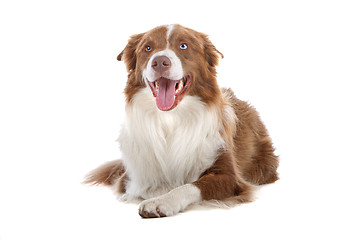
(165, 98)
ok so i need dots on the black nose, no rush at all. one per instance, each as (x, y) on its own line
(161, 64)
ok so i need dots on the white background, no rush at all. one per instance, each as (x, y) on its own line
(61, 106)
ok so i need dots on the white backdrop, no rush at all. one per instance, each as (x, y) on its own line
(61, 107)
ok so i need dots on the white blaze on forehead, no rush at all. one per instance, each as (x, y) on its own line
(169, 31)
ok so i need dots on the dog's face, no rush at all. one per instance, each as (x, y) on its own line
(172, 61)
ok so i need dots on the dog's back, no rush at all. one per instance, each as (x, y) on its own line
(253, 148)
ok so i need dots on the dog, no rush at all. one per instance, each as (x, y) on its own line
(184, 140)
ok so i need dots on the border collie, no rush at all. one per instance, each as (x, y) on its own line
(185, 140)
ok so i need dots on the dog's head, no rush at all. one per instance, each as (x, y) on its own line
(172, 61)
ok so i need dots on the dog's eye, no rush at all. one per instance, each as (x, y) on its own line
(183, 46)
(148, 48)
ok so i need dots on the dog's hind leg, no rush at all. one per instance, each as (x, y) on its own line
(263, 168)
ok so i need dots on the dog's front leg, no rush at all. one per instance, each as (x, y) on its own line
(223, 181)
(219, 182)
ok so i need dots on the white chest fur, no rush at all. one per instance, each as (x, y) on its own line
(163, 150)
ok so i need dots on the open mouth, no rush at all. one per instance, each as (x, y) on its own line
(168, 93)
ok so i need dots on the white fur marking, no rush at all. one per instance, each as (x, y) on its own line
(172, 202)
(175, 73)
(168, 34)
(164, 150)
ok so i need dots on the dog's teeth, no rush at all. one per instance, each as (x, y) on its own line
(157, 86)
(180, 86)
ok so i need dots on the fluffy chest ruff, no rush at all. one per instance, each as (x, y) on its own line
(164, 150)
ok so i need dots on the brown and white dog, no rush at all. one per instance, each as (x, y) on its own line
(185, 140)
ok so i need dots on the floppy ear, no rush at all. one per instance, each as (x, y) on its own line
(211, 53)
(128, 55)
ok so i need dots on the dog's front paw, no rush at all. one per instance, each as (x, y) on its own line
(158, 207)
(170, 203)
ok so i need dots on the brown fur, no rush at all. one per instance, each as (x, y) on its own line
(222, 181)
(248, 157)
(253, 148)
(106, 174)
